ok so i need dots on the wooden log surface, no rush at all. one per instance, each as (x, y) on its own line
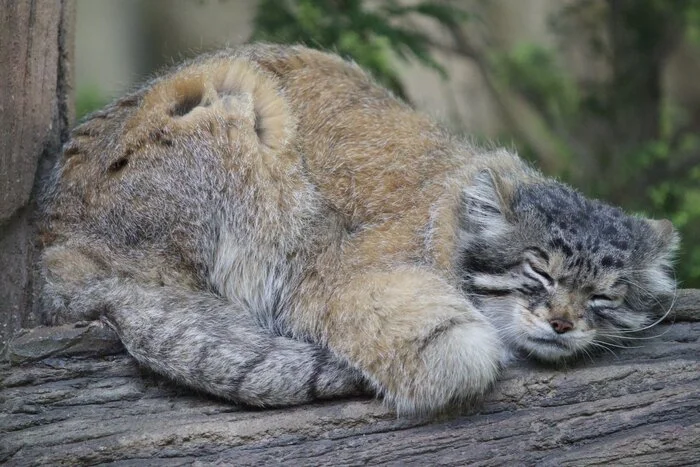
(78, 399)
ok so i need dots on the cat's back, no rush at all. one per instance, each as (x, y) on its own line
(369, 153)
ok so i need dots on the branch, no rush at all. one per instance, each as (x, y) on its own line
(90, 411)
(617, 409)
(685, 306)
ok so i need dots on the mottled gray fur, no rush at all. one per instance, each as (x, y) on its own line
(619, 263)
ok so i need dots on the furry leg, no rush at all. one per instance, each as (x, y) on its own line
(417, 339)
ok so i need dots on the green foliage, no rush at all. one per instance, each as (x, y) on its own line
(535, 73)
(368, 32)
(87, 100)
(693, 21)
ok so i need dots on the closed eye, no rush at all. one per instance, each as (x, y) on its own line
(603, 301)
(535, 273)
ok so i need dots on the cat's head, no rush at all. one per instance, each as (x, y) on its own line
(559, 274)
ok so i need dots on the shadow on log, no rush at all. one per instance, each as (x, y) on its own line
(65, 405)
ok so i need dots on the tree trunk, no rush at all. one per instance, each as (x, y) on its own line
(36, 60)
(71, 407)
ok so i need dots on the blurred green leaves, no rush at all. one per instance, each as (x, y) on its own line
(88, 99)
(368, 32)
(534, 72)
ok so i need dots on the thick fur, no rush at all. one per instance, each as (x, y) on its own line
(268, 225)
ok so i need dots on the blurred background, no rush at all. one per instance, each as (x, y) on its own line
(603, 94)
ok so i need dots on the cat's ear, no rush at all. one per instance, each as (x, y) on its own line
(658, 276)
(667, 236)
(486, 210)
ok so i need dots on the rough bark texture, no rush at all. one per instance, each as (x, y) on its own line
(66, 405)
(36, 44)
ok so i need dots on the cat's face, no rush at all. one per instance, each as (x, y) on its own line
(560, 275)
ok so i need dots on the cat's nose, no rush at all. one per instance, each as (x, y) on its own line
(560, 325)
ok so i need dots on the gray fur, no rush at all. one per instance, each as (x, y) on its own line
(593, 243)
(218, 348)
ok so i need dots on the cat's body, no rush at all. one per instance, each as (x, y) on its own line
(268, 225)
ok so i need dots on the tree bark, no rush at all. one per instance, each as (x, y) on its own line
(636, 406)
(36, 60)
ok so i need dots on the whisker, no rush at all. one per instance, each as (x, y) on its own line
(604, 347)
(637, 285)
(617, 336)
(586, 353)
(622, 346)
(663, 317)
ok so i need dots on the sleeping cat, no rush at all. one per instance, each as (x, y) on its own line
(269, 225)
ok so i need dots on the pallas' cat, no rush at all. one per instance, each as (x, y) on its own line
(269, 225)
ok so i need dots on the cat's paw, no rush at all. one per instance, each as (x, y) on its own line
(456, 365)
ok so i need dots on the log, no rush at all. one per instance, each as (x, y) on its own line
(78, 399)
(684, 306)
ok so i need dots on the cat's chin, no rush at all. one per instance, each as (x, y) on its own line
(546, 350)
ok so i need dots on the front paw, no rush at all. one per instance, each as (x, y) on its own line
(456, 365)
